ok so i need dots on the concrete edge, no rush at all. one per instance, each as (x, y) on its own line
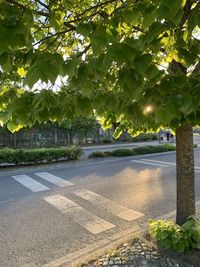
(94, 251)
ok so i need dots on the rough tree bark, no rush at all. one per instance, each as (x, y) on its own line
(185, 174)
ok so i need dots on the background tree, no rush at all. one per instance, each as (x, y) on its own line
(80, 126)
(135, 62)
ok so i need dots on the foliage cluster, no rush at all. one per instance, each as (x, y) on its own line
(133, 62)
(39, 155)
(142, 150)
(176, 237)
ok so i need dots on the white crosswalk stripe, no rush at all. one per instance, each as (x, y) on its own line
(78, 214)
(160, 162)
(53, 179)
(113, 207)
(30, 183)
(150, 163)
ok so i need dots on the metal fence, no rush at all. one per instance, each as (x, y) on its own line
(51, 136)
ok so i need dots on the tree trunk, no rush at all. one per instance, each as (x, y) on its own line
(185, 174)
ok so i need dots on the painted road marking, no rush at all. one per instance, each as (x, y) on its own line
(160, 162)
(150, 163)
(113, 207)
(197, 169)
(30, 183)
(84, 218)
(53, 179)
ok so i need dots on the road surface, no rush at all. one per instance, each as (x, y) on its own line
(50, 212)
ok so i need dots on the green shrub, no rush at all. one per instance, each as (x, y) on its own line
(169, 147)
(39, 155)
(97, 154)
(142, 150)
(195, 146)
(123, 152)
(108, 153)
(106, 141)
(154, 137)
(176, 237)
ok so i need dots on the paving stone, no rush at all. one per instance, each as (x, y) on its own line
(138, 254)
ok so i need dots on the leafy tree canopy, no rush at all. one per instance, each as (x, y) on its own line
(134, 62)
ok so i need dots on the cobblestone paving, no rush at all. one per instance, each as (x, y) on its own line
(137, 254)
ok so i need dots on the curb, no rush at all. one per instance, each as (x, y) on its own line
(75, 164)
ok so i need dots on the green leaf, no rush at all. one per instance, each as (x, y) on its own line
(106, 63)
(70, 66)
(165, 113)
(197, 20)
(99, 39)
(187, 104)
(6, 62)
(152, 72)
(149, 17)
(121, 52)
(177, 17)
(142, 63)
(84, 29)
(4, 117)
(118, 131)
(12, 127)
(166, 84)
(180, 80)
(87, 87)
(187, 55)
(46, 67)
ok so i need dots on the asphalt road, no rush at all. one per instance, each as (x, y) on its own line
(44, 218)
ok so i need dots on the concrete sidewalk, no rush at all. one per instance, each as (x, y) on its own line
(115, 145)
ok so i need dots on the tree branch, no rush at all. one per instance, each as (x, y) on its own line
(196, 69)
(50, 36)
(25, 7)
(42, 4)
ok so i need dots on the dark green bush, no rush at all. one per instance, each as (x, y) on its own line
(108, 153)
(123, 152)
(154, 137)
(176, 237)
(169, 147)
(39, 155)
(97, 154)
(142, 150)
(106, 141)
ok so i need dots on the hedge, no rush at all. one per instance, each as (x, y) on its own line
(38, 155)
(141, 150)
